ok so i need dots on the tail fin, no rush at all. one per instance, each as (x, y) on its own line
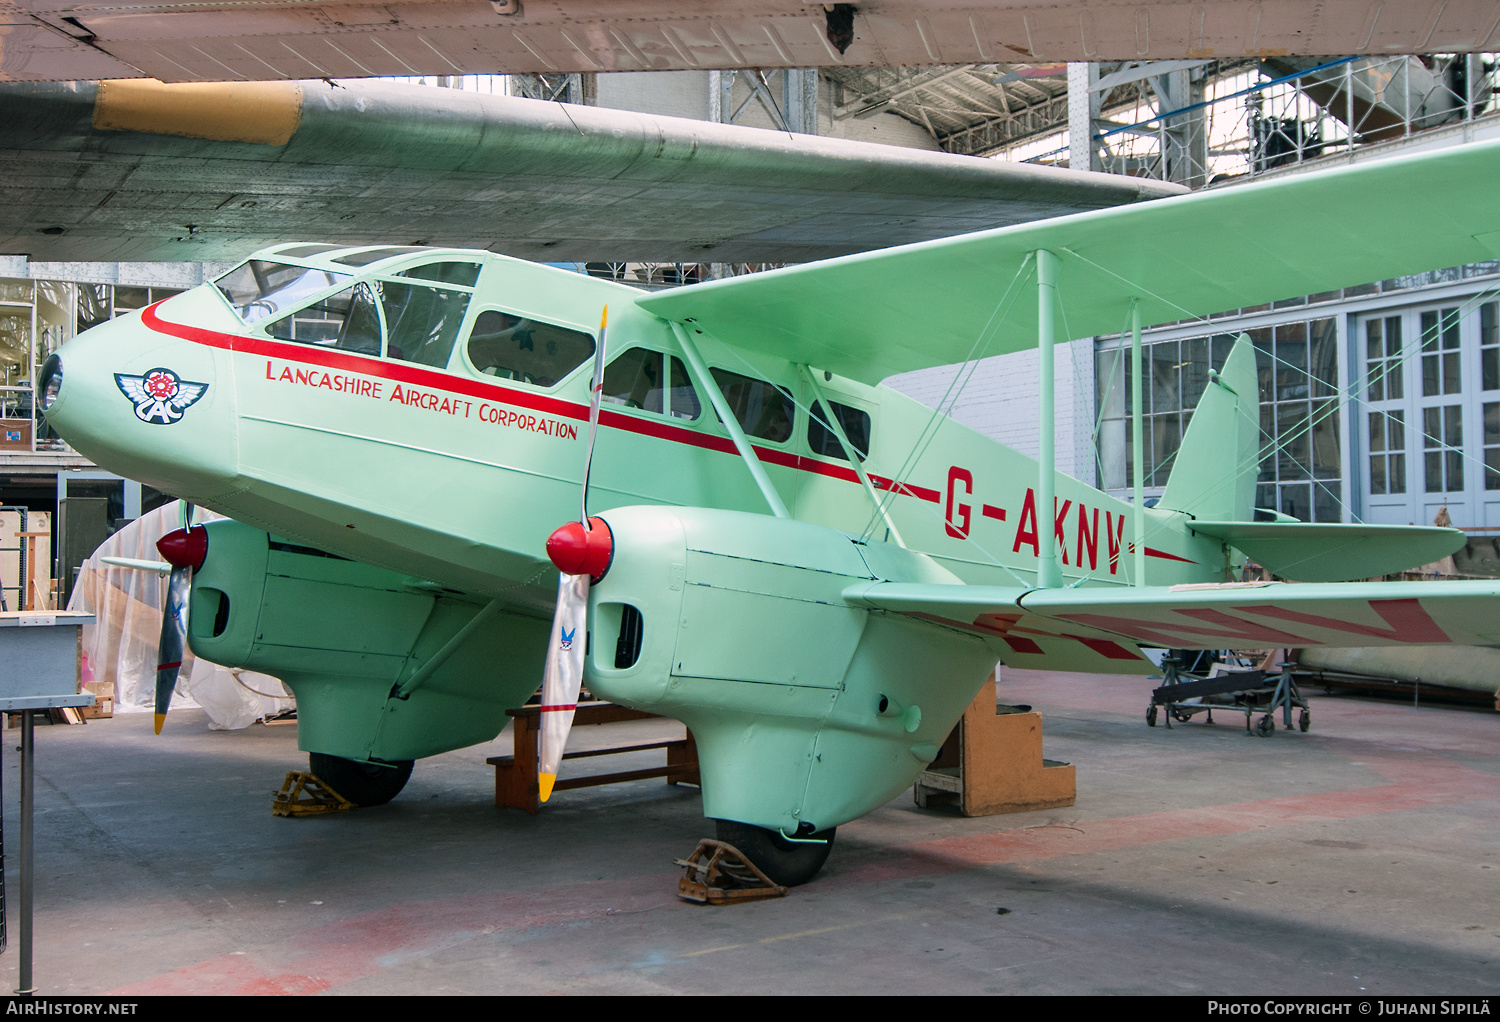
(1219, 458)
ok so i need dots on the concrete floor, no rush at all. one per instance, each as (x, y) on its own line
(1362, 856)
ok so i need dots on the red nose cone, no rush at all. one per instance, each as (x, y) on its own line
(577, 551)
(185, 548)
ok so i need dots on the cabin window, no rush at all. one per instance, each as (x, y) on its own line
(462, 274)
(261, 290)
(853, 421)
(422, 322)
(513, 348)
(636, 378)
(347, 320)
(763, 409)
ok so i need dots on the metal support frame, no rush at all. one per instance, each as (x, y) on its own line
(1137, 443)
(837, 428)
(796, 111)
(704, 381)
(24, 986)
(1049, 564)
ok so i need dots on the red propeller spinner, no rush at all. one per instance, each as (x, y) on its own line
(579, 551)
(184, 548)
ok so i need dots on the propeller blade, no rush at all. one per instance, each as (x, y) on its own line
(173, 639)
(596, 394)
(563, 676)
(162, 568)
(185, 550)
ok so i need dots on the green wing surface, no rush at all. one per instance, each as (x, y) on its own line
(871, 315)
(1212, 616)
(1332, 552)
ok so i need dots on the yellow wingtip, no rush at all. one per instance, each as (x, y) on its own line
(545, 782)
(161, 718)
(604, 318)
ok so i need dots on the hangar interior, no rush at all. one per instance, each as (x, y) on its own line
(1379, 404)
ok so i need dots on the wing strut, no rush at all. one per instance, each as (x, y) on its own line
(705, 382)
(1049, 566)
(837, 429)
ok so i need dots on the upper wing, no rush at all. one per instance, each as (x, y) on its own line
(871, 315)
(299, 39)
(115, 171)
(1217, 616)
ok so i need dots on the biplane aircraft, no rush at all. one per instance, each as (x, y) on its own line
(812, 571)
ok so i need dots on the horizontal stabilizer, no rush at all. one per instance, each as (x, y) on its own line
(1210, 615)
(1333, 552)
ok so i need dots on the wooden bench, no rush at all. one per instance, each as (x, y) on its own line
(516, 775)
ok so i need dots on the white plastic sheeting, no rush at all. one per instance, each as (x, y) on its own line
(121, 646)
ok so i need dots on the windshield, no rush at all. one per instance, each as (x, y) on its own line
(260, 290)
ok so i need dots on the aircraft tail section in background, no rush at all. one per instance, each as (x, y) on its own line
(1219, 458)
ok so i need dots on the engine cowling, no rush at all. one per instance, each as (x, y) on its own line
(807, 711)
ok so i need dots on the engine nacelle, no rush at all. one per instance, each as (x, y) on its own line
(807, 711)
(344, 635)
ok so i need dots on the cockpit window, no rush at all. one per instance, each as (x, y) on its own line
(462, 274)
(422, 322)
(374, 255)
(261, 290)
(347, 320)
(513, 348)
(652, 381)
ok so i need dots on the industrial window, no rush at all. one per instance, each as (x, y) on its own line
(1440, 355)
(1383, 358)
(651, 381)
(763, 409)
(1492, 445)
(261, 290)
(1489, 346)
(513, 348)
(347, 320)
(1388, 452)
(1442, 448)
(854, 422)
(422, 322)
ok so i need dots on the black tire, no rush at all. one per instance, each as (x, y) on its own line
(1265, 726)
(789, 863)
(1151, 715)
(364, 784)
(1304, 721)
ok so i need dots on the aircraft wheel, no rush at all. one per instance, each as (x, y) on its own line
(1181, 717)
(1151, 715)
(1265, 726)
(1304, 721)
(786, 862)
(364, 784)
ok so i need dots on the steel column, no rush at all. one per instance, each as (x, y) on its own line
(28, 849)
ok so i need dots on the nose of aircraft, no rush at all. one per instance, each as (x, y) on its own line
(145, 405)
